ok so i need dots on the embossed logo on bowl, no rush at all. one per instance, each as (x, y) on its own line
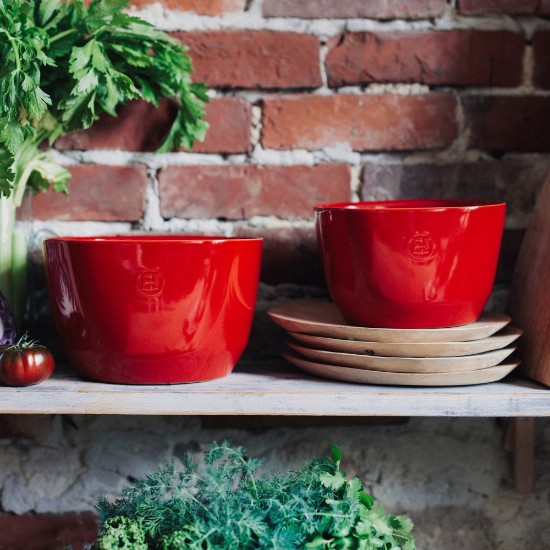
(150, 282)
(421, 246)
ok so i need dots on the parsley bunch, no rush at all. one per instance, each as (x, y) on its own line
(227, 505)
(64, 64)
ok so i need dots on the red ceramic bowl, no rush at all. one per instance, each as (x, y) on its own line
(153, 309)
(410, 263)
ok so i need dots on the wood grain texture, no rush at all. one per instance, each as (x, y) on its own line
(519, 441)
(524, 454)
(414, 365)
(529, 298)
(275, 388)
(322, 318)
(500, 340)
(365, 376)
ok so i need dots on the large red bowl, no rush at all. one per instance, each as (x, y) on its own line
(410, 263)
(153, 309)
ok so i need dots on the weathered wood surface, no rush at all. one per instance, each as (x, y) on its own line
(275, 389)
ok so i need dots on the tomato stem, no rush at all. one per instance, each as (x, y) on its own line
(23, 343)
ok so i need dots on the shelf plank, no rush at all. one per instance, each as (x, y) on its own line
(275, 388)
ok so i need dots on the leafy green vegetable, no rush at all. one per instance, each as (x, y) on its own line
(226, 504)
(121, 532)
(64, 64)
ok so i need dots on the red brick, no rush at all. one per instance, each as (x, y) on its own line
(390, 9)
(290, 254)
(202, 7)
(541, 54)
(238, 192)
(141, 127)
(230, 122)
(508, 123)
(511, 7)
(48, 531)
(254, 59)
(367, 122)
(458, 58)
(96, 193)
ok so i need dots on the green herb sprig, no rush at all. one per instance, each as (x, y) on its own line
(226, 504)
(64, 64)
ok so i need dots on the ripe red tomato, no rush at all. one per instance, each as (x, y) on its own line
(25, 363)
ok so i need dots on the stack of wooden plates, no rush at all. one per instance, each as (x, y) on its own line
(323, 344)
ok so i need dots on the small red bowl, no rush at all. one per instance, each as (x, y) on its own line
(153, 309)
(410, 263)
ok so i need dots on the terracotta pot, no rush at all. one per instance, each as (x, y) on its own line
(153, 309)
(410, 263)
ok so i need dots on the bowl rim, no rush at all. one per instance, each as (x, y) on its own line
(420, 204)
(173, 238)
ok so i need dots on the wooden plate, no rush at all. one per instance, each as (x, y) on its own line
(406, 349)
(361, 376)
(322, 318)
(405, 364)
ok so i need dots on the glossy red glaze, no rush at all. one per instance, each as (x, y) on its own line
(410, 263)
(153, 309)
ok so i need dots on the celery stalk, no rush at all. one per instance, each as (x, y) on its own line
(13, 249)
(19, 276)
(7, 221)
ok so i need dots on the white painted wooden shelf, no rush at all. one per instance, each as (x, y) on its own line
(276, 388)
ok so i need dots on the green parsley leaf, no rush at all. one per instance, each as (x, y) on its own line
(12, 135)
(333, 481)
(66, 62)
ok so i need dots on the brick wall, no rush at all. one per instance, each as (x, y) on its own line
(311, 101)
(318, 101)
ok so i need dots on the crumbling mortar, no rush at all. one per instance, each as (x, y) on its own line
(252, 19)
(152, 219)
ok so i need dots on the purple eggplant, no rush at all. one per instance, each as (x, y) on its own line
(8, 332)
